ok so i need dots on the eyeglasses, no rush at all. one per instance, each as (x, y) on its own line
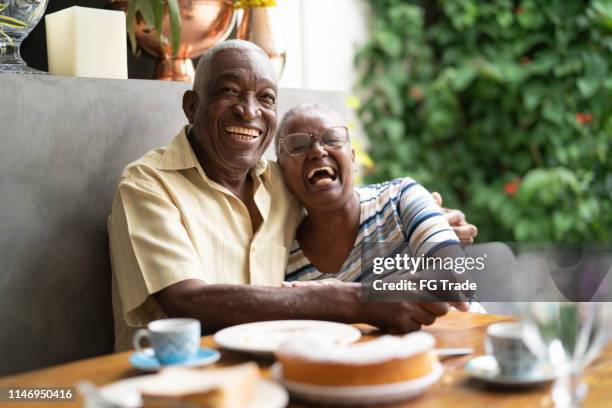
(299, 143)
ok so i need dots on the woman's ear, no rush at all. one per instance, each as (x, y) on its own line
(280, 158)
(190, 102)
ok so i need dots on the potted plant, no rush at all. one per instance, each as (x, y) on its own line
(151, 12)
(174, 31)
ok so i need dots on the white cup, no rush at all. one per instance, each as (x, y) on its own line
(173, 340)
(505, 341)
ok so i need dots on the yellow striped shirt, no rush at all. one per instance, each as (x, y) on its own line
(170, 222)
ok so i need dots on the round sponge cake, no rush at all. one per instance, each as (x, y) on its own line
(385, 360)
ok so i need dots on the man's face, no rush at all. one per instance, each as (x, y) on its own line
(234, 117)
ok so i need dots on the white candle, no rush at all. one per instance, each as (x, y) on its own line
(87, 42)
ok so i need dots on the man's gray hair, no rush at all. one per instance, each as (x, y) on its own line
(203, 68)
(291, 113)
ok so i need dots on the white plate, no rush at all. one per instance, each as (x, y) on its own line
(485, 368)
(359, 395)
(264, 338)
(268, 395)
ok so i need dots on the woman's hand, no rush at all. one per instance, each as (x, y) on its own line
(465, 232)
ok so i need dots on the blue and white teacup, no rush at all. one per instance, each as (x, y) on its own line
(505, 341)
(174, 341)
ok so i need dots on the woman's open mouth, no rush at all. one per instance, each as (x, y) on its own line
(322, 176)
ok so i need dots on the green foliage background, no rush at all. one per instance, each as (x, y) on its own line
(474, 98)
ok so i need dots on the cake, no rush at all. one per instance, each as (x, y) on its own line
(230, 387)
(385, 360)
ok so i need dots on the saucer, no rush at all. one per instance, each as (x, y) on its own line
(485, 368)
(145, 360)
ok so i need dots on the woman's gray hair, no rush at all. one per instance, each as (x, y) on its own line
(202, 72)
(291, 113)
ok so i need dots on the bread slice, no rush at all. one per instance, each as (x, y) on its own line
(180, 387)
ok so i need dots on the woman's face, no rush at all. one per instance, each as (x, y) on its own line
(321, 177)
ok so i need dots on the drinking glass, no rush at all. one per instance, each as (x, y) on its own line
(569, 335)
(17, 19)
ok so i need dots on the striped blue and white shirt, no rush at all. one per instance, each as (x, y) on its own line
(395, 213)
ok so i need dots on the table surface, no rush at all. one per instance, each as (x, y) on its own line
(454, 388)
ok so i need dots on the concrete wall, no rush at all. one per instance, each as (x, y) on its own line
(64, 142)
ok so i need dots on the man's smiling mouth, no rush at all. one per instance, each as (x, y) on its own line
(243, 133)
(322, 176)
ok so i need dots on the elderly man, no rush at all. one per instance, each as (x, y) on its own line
(201, 227)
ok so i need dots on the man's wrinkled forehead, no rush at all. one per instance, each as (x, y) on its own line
(239, 64)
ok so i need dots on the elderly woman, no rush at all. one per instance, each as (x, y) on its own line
(318, 163)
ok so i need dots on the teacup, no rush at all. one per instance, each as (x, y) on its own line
(505, 341)
(174, 341)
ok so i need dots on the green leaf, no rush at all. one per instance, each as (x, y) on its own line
(394, 129)
(158, 10)
(131, 15)
(145, 8)
(588, 86)
(533, 94)
(175, 24)
(389, 42)
(595, 65)
(553, 111)
(491, 71)
(464, 77)
(393, 98)
(603, 12)
(10, 22)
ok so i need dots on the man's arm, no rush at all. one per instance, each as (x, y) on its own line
(222, 305)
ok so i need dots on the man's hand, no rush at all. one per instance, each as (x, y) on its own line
(403, 317)
(395, 317)
(465, 232)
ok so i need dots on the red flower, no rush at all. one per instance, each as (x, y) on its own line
(584, 118)
(525, 60)
(512, 186)
(518, 11)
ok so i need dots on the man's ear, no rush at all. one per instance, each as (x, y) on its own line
(190, 102)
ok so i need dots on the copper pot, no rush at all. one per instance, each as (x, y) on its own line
(264, 27)
(204, 23)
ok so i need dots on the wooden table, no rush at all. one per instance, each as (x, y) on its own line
(454, 389)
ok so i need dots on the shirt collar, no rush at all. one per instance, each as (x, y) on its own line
(179, 155)
(262, 169)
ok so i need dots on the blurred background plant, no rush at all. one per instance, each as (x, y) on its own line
(504, 107)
